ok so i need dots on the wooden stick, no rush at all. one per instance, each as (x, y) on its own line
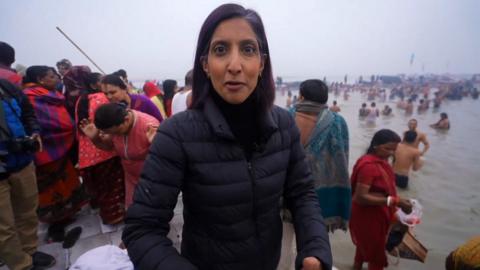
(76, 46)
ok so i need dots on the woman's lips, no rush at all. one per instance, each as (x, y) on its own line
(234, 86)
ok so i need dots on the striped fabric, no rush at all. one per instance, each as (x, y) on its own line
(57, 127)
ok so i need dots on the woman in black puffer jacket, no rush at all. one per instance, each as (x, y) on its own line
(234, 156)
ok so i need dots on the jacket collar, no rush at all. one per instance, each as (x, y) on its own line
(221, 128)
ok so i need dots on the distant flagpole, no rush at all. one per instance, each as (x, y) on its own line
(76, 46)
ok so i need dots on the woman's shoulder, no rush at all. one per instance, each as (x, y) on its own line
(283, 118)
(187, 125)
(35, 90)
(145, 118)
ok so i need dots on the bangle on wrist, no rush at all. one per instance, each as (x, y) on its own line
(392, 201)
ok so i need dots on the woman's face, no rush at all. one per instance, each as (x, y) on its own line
(234, 62)
(114, 93)
(50, 80)
(386, 150)
(62, 69)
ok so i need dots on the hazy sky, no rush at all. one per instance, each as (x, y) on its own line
(314, 38)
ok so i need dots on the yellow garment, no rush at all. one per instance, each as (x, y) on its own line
(468, 254)
(158, 101)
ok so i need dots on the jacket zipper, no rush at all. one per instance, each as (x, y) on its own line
(254, 209)
(252, 180)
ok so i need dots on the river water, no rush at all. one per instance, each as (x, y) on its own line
(448, 185)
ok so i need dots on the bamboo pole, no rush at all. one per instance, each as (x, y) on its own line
(76, 46)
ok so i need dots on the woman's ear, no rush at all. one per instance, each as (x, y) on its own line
(262, 63)
(205, 66)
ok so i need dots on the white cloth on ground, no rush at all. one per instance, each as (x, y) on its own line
(105, 257)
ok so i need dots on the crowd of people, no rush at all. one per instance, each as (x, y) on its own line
(72, 137)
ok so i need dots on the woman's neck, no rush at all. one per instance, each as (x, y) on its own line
(128, 99)
(242, 119)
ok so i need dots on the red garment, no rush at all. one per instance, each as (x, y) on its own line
(57, 128)
(133, 149)
(168, 106)
(11, 76)
(89, 154)
(369, 225)
(105, 184)
(151, 89)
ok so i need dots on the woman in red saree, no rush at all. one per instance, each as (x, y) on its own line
(101, 171)
(374, 201)
(60, 192)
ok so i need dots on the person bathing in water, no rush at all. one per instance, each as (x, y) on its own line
(443, 123)
(363, 112)
(421, 137)
(387, 111)
(334, 107)
(407, 157)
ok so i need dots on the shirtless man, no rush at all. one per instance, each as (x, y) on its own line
(401, 104)
(443, 123)
(363, 112)
(409, 107)
(407, 157)
(334, 107)
(421, 137)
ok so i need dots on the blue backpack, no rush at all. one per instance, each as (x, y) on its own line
(11, 127)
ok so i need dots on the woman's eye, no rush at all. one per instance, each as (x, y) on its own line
(219, 49)
(250, 50)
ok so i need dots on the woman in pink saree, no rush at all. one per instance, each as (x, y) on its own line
(128, 133)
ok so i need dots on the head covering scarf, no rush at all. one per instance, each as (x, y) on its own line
(75, 78)
(75, 85)
(151, 89)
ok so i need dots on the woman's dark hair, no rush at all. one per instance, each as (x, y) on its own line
(314, 90)
(91, 79)
(110, 115)
(373, 104)
(7, 54)
(168, 87)
(443, 115)
(383, 136)
(33, 74)
(115, 80)
(121, 73)
(265, 90)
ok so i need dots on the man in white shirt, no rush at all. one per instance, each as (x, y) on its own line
(182, 99)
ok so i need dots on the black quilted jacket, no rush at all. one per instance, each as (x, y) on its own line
(231, 204)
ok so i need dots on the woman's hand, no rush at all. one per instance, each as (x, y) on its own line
(405, 205)
(151, 131)
(311, 263)
(88, 128)
(37, 137)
